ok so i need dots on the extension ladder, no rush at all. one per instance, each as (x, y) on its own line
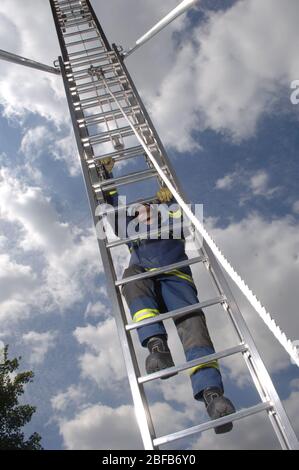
(100, 95)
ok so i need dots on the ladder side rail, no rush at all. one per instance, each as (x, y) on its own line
(140, 402)
(265, 387)
(148, 119)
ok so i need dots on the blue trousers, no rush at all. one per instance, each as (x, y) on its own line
(154, 296)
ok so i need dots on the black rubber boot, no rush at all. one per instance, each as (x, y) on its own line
(218, 406)
(160, 357)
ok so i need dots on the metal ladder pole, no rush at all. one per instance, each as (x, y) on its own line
(140, 402)
(261, 378)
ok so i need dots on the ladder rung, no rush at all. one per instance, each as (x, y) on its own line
(65, 23)
(241, 348)
(101, 100)
(123, 180)
(62, 15)
(69, 3)
(120, 154)
(164, 269)
(79, 33)
(89, 101)
(107, 68)
(85, 51)
(180, 312)
(105, 56)
(102, 137)
(89, 57)
(125, 133)
(72, 9)
(122, 208)
(83, 41)
(80, 15)
(91, 86)
(212, 424)
(94, 88)
(141, 236)
(106, 116)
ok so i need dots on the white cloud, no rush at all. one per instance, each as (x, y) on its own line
(173, 109)
(251, 183)
(34, 142)
(40, 344)
(15, 278)
(103, 427)
(19, 284)
(266, 255)
(25, 90)
(97, 309)
(102, 361)
(43, 93)
(34, 212)
(9, 34)
(232, 72)
(69, 259)
(42, 140)
(226, 78)
(3, 241)
(259, 184)
(226, 182)
(295, 207)
(65, 149)
(74, 395)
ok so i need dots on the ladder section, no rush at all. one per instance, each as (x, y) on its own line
(107, 113)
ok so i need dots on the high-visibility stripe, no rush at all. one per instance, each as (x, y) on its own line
(113, 192)
(145, 313)
(203, 366)
(175, 214)
(175, 272)
(182, 275)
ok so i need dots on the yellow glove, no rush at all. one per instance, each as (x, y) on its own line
(108, 164)
(164, 195)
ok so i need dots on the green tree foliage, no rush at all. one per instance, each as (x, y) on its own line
(12, 415)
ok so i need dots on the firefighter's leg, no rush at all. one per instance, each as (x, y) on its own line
(143, 303)
(178, 291)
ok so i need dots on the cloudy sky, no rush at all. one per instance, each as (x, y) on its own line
(217, 84)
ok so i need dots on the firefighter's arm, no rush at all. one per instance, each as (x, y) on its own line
(164, 195)
(111, 196)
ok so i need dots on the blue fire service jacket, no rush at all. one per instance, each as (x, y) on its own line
(154, 253)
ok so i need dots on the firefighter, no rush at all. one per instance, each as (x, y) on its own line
(150, 297)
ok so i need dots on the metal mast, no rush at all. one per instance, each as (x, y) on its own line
(100, 95)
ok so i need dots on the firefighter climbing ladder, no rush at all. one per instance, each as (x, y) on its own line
(100, 95)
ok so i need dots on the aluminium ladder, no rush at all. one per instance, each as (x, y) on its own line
(100, 93)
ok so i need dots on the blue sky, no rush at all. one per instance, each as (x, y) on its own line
(219, 93)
